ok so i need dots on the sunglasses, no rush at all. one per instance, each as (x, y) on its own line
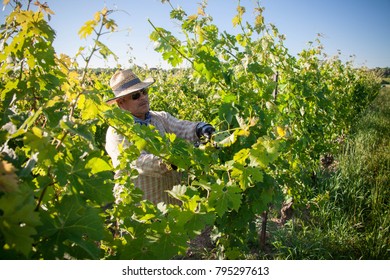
(137, 94)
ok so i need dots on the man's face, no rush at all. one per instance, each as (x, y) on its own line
(138, 107)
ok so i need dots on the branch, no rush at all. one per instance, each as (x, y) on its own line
(173, 46)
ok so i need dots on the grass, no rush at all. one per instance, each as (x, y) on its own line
(350, 216)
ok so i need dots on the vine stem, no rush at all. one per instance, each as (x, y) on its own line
(173, 46)
(87, 61)
(44, 192)
(180, 52)
(263, 232)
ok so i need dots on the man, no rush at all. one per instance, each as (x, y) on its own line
(155, 176)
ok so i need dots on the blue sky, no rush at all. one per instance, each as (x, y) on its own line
(354, 27)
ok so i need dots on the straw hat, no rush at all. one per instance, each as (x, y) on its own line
(125, 82)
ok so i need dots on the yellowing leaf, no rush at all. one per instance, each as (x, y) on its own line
(49, 11)
(87, 28)
(98, 165)
(259, 21)
(89, 107)
(201, 11)
(192, 203)
(281, 132)
(37, 131)
(104, 11)
(241, 156)
(140, 144)
(199, 32)
(52, 102)
(97, 16)
(243, 132)
(241, 10)
(236, 20)
(8, 178)
(171, 136)
(192, 17)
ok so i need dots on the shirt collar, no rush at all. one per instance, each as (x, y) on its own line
(146, 121)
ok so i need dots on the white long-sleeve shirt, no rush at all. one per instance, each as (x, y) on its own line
(154, 177)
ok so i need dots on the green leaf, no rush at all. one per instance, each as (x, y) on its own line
(259, 69)
(140, 143)
(198, 222)
(89, 106)
(27, 124)
(225, 139)
(82, 130)
(54, 111)
(264, 152)
(170, 242)
(35, 141)
(18, 220)
(97, 164)
(71, 224)
(250, 176)
(95, 187)
(144, 249)
(105, 51)
(208, 65)
(225, 198)
(242, 40)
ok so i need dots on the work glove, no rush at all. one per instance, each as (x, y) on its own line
(204, 130)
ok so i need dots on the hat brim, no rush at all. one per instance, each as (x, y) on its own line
(144, 84)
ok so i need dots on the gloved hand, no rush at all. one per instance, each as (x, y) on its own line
(205, 130)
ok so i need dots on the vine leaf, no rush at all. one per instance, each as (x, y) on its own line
(225, 198)
(97, 164)
(73, 223)
(170, 241)
(18, 221)
(89, 106)
(87, 28)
